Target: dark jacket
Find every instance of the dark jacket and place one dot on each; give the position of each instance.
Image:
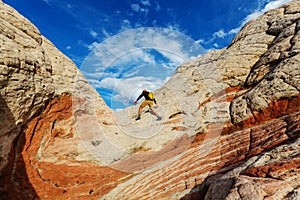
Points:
(145, 94)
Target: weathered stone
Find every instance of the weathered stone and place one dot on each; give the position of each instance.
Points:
(32, 73)
(26, 82)
(230, 127)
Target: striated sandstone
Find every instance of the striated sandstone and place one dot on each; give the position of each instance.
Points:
(50, 159)
(32, 74)
(240, 102)
(230, 126)
(25, 76)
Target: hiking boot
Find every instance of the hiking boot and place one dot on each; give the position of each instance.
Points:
(138, 117)
(159, 118)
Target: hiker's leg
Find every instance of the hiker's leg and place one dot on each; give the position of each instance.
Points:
(140, 110)
(152, 110)
(139, 113)
(158, 117)
(143, 104)
(150, 105)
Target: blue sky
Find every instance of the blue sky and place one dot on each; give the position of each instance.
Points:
(123, 46)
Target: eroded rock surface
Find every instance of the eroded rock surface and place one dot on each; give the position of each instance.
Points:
(38, 140)
(230, 127)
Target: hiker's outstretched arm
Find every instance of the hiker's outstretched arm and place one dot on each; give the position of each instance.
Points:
(139, 97)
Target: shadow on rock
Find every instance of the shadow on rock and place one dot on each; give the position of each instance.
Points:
(14, 182)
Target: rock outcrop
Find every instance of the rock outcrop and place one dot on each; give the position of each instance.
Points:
(230, 127)
(36, 86)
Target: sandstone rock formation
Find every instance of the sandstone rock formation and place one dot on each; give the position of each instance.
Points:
(230, 128)
(36, 83)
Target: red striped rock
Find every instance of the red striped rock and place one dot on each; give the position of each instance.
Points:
(230, 128)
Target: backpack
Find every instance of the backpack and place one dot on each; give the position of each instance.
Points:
(151, 96)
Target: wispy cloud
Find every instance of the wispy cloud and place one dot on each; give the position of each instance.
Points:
(219, 34)
(263, 6)
(157, 6)
(145, 2)
(151, 54)
(93, 33)
(164, 40)
(258, 12)
(126, 91)
(143, 6)
(83, 24)
(47, 2)
(135, 7)
(69, 6)
(125, 25)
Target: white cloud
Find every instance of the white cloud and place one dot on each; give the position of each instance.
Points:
(145, 2)
(275, 4)
(171, 12)
(105, 33)
(138, 57)
(216, 45)
(93, 34)
(91, 46)
(219, 34)
(127, 90)
(117, 12)
(168, 42)
(255, 14)
(154, 23)
(69, 6)
(173, 26)
(216, 35)
(157, 6)
(200, 41)
(258, 12)
(125, 25)
(47, 2)
(135, 7)
(142, 7)
(144, 10)
(235, 30)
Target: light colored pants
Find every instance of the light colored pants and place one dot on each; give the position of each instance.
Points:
(147, 103)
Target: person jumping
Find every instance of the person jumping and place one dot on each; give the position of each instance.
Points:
(149, 99)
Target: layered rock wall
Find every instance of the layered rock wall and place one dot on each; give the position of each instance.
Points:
(242, 105)
(26, 76)
(230, 128)
(34, 75)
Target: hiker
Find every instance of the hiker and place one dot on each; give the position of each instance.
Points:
(149, 99)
